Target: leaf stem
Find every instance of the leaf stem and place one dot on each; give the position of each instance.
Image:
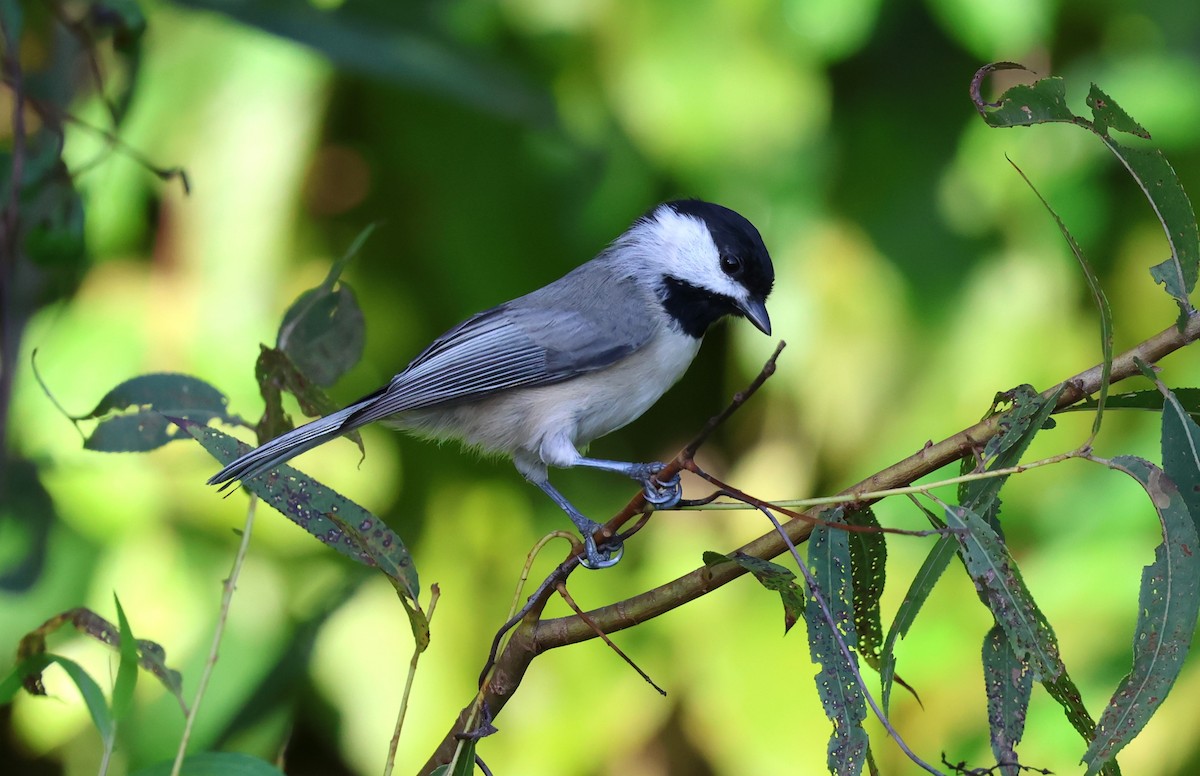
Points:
(218, 633)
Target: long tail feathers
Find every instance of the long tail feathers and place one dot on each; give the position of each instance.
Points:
(287, 446)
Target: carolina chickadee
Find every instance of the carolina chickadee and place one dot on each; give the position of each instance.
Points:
(541, 376)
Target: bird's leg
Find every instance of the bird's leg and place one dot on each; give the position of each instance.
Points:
(594, 557)
(663, 495)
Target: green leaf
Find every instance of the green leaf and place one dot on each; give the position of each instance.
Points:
(1181, 450)
(323, 332)
(152, 657)
(1188, 399)
(93, 697)
(28, 513)
(215, 764)
(770, 575)
(1093, 281)
(1000, 584)
(127, 668)
(1009, 684)
(868, 561)
(132, 414)
(838, 680)
(1167, 611)
(1106, 113)
(405, 50)
(931, 571)
(333, 519)
(276, 373)
(1045, 101)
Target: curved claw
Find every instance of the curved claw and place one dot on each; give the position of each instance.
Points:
(595, 558)
(663, 495)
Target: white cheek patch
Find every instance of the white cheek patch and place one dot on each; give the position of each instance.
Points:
(686, 250)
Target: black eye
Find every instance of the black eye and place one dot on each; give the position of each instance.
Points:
(731, 265)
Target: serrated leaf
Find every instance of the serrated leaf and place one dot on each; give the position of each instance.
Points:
(131, 415)
(1167, 611)
(215, 764)
(1106, 113)
(1008, 683)
(868, 563)
(772, 576)
(1000, 584)
(838, 679)
(331, 518)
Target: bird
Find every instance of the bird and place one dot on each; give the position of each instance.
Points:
(538, 378)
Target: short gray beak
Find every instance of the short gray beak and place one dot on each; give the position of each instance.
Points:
(756, 311)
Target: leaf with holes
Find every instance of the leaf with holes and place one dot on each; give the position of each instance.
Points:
(1167, 611)
(132, 414)
(331, 518)
(1000, 585)
(868, 562)
(1008, 684)
(838, 680)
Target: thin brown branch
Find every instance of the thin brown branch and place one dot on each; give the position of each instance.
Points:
(531, 640)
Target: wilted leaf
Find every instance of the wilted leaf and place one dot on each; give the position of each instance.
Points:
(151, 655)
(772, 576)
(323, 331)
(276, 373)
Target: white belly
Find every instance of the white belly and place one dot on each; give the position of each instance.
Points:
(534, 423)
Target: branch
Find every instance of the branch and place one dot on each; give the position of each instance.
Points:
(534, 637)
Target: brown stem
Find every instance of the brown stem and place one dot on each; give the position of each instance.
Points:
(531, 639)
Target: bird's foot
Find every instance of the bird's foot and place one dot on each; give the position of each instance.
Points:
(601, 557)
(662, 495)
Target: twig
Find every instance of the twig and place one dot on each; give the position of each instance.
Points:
(526, 644)
(218, 633)
(875, 495)
(561, 587)
(434, 593)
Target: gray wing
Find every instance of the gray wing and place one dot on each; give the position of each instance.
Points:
(583, 322)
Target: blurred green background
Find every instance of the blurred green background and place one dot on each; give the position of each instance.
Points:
(500, 144)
